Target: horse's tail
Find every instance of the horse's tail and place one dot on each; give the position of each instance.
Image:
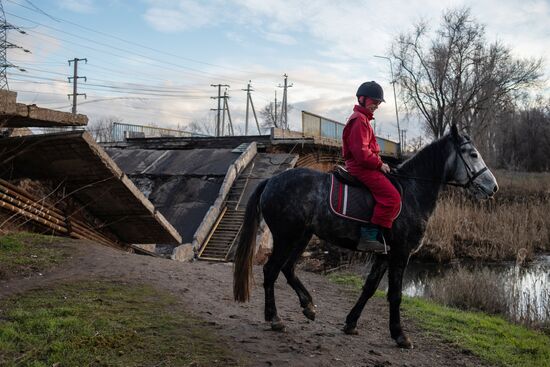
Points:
(244, 256)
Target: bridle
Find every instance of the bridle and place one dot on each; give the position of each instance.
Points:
(470, 172)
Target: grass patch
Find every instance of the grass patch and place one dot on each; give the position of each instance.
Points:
(25, 254)
(98, 323)
(351, 281)
(491, 338)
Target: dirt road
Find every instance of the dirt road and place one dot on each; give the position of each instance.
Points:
(206, 290)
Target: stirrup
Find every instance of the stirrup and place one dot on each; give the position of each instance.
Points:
(374, 246)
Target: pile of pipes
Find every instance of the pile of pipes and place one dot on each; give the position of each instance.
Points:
(25, 205)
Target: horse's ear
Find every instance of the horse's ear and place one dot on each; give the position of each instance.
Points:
(454, 132)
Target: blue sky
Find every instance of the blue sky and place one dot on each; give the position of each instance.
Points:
(152, 61)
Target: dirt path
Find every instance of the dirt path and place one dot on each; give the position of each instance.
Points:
(206, 290)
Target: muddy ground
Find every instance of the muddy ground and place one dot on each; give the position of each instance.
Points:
(206, 290)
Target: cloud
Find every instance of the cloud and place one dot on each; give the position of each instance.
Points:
(236, 37)
(185, 15)
(358, 29)
(281, 38)
(339, 40)
(42, 45)
(78, 6)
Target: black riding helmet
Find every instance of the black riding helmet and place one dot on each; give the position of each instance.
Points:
(371, 89)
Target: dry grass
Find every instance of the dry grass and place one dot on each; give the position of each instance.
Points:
(469, 290)
(514, 226)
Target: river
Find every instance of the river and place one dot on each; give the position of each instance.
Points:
(524, 289)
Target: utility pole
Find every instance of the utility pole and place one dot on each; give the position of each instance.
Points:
(249, 103)
(284, 107)
(222, 125)
(219, 97)
(275, 121)
(393, 81)
(75, 78)
(4, 45)
(226, 108)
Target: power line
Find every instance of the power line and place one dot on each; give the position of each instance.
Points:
(196, 75)
(127, 51)
(129, 86)
(304, 80)
(37, 92)
(164, 95)
(126, 84)
(37, 9)
(40, 63)
(131, 42)
(110, 53)
(118, 89)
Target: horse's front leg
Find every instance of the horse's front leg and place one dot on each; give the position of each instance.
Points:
(395, 285)
(371, 284)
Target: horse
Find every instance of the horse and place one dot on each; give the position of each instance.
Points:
(295, 205)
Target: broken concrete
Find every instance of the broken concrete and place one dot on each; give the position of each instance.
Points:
(21, 115)
(185, 252)
(75, 161)
(181, 184)
(213, 213)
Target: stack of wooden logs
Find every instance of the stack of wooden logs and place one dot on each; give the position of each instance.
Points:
(25, 205)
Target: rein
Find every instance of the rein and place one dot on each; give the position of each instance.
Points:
(472, 175)
(394, 174)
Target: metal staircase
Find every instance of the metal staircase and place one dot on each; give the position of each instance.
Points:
(226, 230)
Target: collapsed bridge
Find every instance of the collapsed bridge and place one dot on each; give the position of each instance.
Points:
(180, 196)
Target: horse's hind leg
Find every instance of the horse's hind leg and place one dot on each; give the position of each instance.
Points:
(371, 284)
(289, 271)
(278, 258)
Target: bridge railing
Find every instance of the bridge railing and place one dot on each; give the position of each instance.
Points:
(315, 125)
(122, 131)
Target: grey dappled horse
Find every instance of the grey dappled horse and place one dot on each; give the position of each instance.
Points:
(295, 205)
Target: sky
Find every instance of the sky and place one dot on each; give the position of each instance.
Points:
(154, 61)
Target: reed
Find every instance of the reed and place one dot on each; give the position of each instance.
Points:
(487, 290)
(513, 226)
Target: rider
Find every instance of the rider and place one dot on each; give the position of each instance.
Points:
(361, 154)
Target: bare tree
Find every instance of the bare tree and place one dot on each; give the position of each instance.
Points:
(522, 137)
(415, 144)
(455, 77)
(270, 117)
(102, 128)
(207, 126)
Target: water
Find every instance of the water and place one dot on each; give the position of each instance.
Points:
(526, 289)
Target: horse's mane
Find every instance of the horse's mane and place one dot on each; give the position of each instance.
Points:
(429, 161)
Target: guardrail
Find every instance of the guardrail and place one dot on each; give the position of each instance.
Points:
(315, 125)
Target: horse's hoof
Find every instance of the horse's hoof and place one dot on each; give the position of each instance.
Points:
(403, 341)
(309, 312)
(277, 325)
(350, 330)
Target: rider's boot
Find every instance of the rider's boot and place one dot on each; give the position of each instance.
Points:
(369, 241)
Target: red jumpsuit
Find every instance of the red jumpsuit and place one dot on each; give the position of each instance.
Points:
(361, 154)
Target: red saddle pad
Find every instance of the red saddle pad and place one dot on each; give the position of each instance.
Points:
(351, 202)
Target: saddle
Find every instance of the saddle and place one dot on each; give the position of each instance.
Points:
(349, 198)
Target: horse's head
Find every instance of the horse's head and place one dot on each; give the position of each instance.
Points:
(467, 168)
